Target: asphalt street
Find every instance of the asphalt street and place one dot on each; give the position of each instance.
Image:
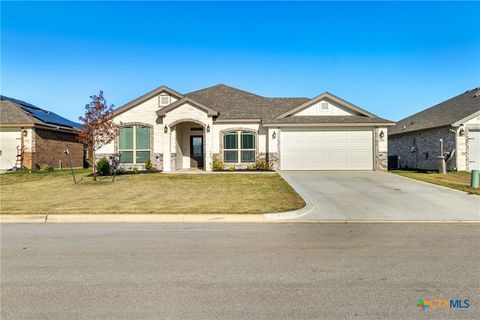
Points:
(237, 271)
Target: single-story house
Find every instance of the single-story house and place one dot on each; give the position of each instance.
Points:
(414, 142)
(180, 131)
(32, 137)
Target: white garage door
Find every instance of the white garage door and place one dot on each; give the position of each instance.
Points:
(314, 149)
(9, 140)
(474, 150)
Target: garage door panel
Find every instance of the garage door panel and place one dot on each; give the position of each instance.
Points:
(9, 140)
(326, 149)
(474, 150)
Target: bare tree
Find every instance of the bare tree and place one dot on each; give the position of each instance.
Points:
(98, 128)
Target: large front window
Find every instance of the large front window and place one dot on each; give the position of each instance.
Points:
(239, 147)
(134, 144)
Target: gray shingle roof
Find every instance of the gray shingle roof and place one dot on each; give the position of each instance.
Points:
(13, 111)
(234, 103)
(443, 114)
(10, 113)
(329, 119)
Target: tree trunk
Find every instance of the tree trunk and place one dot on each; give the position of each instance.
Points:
(94, 166)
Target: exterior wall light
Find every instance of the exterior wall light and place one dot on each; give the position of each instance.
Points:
(274, 135)
(25, 133)
(382, 134)
(461, 133)
(165, 129)
(208, 128)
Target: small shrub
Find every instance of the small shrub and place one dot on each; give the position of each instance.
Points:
(231, 168)
(46, 168)
(135, 170)
(103, 167)
(250, 167)
(263, 165)
(217, 163)
(148, 165)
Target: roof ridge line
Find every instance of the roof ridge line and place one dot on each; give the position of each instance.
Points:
(230, 87)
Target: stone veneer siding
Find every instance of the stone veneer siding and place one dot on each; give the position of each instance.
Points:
(274, 160)
(49, 149)
(380, 154)
(420, 149)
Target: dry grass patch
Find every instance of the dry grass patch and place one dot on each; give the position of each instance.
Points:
(54, 192)
(459, 180)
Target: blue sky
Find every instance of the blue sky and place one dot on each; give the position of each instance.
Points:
(391, 58)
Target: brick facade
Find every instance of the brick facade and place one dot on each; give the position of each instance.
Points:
(49, 149)
(420, 149)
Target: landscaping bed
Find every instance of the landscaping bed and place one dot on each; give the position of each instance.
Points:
(459, 180)
(55, 192)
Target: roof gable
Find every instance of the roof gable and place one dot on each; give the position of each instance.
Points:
(453, 111)
(163, 111)
(146, 97)
(10, 113)
(327, 96)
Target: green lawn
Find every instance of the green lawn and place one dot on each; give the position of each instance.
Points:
(54, 192)
(455, 180)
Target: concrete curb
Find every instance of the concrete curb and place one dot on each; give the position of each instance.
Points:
(386, 221)
(23, 218)
(131, 218)
(294, 214)
(193, 218)
(288, 215)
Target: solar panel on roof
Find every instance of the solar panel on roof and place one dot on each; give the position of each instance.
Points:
(50, 117)
(43, 115)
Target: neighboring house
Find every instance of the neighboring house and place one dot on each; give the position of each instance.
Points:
(33, 137)
(180, 131)
(414, 142)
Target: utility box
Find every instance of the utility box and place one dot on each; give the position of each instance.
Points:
(442, 166)
(475, 179)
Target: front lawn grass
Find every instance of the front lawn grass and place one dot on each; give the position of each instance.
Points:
(54, 192)
(459, 180)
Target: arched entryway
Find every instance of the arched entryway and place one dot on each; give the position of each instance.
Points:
(188, 137)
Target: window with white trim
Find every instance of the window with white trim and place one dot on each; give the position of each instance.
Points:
(134, 144)
(164, 100)
(239, 147)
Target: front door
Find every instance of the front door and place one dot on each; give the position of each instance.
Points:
(196, 151)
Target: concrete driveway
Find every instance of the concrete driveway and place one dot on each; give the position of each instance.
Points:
(357, 196)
